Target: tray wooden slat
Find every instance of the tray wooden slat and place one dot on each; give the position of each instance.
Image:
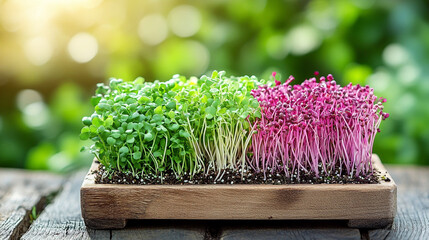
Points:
(364, 205)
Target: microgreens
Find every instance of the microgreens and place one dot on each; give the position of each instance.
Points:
(219, 110)
(183, 125)
(137, 127)
(316, 125)
(217, 122)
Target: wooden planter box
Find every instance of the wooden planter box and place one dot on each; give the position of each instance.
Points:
(109, 206)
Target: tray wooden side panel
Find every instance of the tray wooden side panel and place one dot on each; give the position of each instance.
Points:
(359, 203)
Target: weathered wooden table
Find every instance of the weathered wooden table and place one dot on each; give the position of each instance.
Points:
(56, 201)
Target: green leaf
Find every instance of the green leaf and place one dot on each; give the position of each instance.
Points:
(211, 110)
(139, 80)
(111, 141)
(101, 129)
(184, 134)
(161, 128)
(103, 106)
(97, 122)
(244, 115)
(174, 127)
(171, 114)
(171, 105)
(144, 99)
(148, 137)
(157, 153)
(84, 136)
(87, 121)
(178, 160)
(115, 134)
(109, 121)
(85, 130)
(123, 150)
(135, 115)
(216, 103)
(246, 125)
(131, 126)
(130, 139)
(137, 155)
(95, 101)
(157, 118)
(222, 110)
(214, 90)
(159, 101)
(124, 117)
(93, 129)
(172, 94)
(245, 102)
(254, 104)
(84, 133)
(158, 110)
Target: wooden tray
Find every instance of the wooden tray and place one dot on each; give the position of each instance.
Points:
(109, 206)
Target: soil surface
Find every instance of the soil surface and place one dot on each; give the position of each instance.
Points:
(228, 176)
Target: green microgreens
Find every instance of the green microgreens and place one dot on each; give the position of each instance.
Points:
(183, 125)
(136, 127)
(218, 111)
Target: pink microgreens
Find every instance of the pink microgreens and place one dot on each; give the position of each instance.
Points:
(275, 80)
(316, 126)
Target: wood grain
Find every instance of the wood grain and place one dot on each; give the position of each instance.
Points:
(62, 219)
(324, 201)
(412, 221)
(65, 222)
(20, 191)
(244, 234)
(170, 233)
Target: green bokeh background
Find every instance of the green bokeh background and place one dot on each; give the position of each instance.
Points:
(45, 86)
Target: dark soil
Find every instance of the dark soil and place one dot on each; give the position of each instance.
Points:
(234, 177)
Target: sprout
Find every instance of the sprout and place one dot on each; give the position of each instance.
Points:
(316, 126)
(213, 123)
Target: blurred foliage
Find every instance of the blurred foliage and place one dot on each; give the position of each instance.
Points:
(52, 53)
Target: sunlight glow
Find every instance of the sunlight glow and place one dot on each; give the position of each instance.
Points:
(36, 114)
(408, 74)
(38, 50)
(395, 55)
(153, 29)
(184, 20)
(83, 47)
(302, 40)
(379, 81)
(26, 97)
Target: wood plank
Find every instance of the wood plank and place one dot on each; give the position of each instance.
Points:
(292, 229)
(166, 229)
(153, 232)
(345, 234)
(352, 201)
(20, 191)
(412, 221)
(62, 218)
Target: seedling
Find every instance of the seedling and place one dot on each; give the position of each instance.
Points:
(183, 125)
(194, 126)
(316, 126)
